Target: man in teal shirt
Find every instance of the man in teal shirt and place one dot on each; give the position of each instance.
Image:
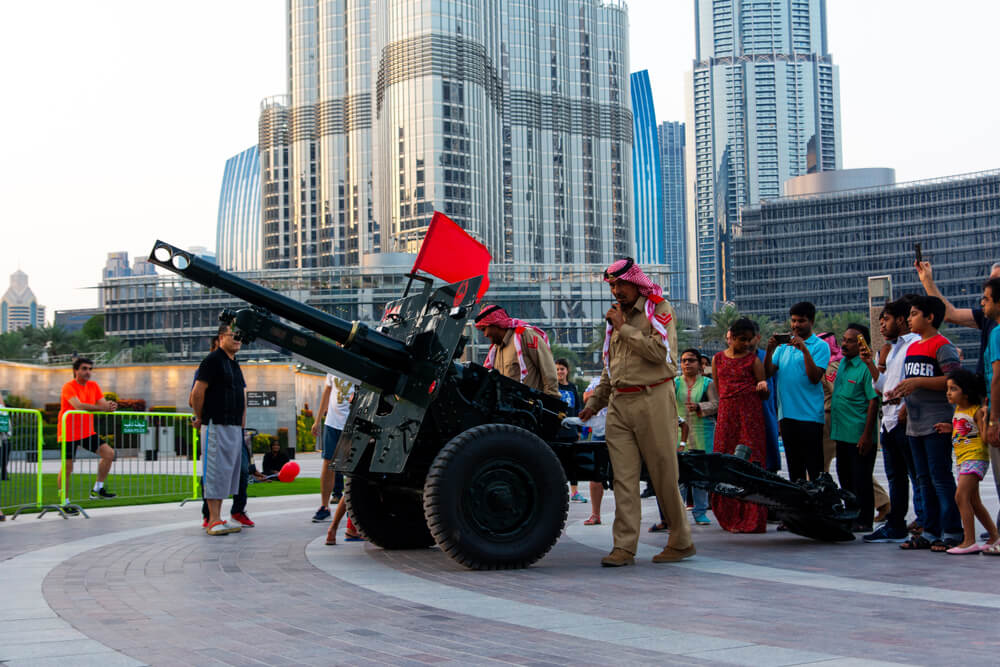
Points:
(853, 416)
(799, 365)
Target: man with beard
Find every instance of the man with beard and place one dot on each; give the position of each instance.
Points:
(518, 350)
(640, 348)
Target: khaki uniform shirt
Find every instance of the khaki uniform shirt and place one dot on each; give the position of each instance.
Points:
(538, 361)
(637, 355)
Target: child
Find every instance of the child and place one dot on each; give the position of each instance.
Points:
(966, 391)
(739, 378)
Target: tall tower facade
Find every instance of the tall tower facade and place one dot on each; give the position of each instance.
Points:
(674, 209)
(766, 106)
(18, 307)
(238, 233)
(512, 117)
(647, 203)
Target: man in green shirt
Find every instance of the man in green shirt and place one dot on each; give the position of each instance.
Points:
(853, 416)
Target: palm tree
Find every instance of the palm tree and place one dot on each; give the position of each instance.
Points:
(723, 319)
(148, 352)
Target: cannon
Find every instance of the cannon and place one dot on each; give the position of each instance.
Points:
(436, 451)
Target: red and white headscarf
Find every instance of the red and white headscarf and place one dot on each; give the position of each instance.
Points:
(498, 316)
(627, 270)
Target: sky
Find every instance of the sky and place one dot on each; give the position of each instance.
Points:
(120, 114)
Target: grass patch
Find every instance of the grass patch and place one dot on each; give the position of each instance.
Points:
(133, 489)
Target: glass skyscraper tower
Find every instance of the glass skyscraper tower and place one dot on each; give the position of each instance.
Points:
(646, 179)
(513, 117)
(766, 107)
(672, 185)
(237, 235)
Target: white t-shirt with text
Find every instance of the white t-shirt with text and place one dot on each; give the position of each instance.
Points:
(341, 392)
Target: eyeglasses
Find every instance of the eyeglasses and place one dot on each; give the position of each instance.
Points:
(690, 361)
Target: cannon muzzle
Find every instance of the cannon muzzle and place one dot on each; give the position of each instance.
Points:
(352, 335)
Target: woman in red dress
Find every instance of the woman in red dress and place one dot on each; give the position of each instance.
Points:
(739, 377)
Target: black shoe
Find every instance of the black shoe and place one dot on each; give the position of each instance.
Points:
(103, 494)
(70, 510)
(335, 498)
(649, 492)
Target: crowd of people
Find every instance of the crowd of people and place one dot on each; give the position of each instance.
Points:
(820, 398)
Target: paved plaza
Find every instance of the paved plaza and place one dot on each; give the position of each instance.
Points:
(145, 585)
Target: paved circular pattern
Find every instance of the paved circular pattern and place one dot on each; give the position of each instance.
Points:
(164, 593)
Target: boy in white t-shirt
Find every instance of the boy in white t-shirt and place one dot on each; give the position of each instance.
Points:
(335, 406)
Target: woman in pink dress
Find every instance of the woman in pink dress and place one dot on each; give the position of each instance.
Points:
(739, 377)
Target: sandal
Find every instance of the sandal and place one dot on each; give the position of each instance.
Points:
(594, 520)
(331, 540)
(659, 527)
(915, 543)
(942, 546)
(353, 537)
(991, 549)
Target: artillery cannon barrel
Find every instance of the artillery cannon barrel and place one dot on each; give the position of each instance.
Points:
(369, 343)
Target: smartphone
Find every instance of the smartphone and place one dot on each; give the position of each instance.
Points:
(916, 251)
(783, 338)
(863, 344)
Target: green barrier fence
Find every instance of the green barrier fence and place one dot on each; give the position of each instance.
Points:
(20, 459)
(139, 454)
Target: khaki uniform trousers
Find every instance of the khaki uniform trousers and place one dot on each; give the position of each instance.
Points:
(644, 424)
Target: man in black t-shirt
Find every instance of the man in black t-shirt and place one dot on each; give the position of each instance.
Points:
(219, 402)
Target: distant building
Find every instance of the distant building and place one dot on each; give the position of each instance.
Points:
(568, 302)
(19, 308)
(511, 117)
(766, 108)
(116, 266)
(674, 209)
(238, 234)
(73, 320)
(822, 244)
(203, 252)
(647, 202)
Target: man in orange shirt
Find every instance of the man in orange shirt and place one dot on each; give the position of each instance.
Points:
(81, 393)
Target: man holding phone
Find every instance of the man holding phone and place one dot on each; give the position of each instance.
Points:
(799, 359)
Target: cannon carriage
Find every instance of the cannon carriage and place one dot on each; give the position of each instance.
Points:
(436, 451)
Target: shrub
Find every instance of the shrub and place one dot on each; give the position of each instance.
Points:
(15, 401)
(305, 440)
(262, 443)
(132, 405)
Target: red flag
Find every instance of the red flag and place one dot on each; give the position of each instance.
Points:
(450, 254)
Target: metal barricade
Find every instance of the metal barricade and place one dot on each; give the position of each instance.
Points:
(20, 459)
(141, 455)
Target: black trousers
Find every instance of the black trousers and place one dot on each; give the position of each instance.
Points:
(854, 470)
(803, 443)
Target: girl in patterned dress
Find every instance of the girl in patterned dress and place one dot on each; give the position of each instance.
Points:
(966, 391)
(739, 377)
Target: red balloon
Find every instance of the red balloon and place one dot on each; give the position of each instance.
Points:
(288, 472)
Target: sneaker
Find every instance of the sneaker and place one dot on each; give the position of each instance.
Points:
(334, 498)
(322, 514)
(70, 510)
(102, 494)
(204, 523)
(885, 534)
(242, 519)
(648, 492)
(578, 498)
(702, 520)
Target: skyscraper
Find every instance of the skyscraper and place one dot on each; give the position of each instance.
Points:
(674, 217)
(237, 235)
(512, 117)
(766, 107)
(18, 307)
(647, 204)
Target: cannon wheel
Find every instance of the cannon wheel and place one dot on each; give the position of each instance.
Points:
(495, 498)
(387, 516)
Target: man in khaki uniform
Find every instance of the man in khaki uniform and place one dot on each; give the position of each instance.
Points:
(640, 351)
(518, 351)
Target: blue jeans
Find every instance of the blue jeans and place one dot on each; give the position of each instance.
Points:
(700, 499)
(898, 460)
(932, 462)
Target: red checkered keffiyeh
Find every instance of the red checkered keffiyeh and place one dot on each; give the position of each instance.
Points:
(627, 270)
(498, 316)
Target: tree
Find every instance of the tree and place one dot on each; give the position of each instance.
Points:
(148, 353)
(12, 346)
(93, 329)
(723, 319)
(837, 323)
(560, 352)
